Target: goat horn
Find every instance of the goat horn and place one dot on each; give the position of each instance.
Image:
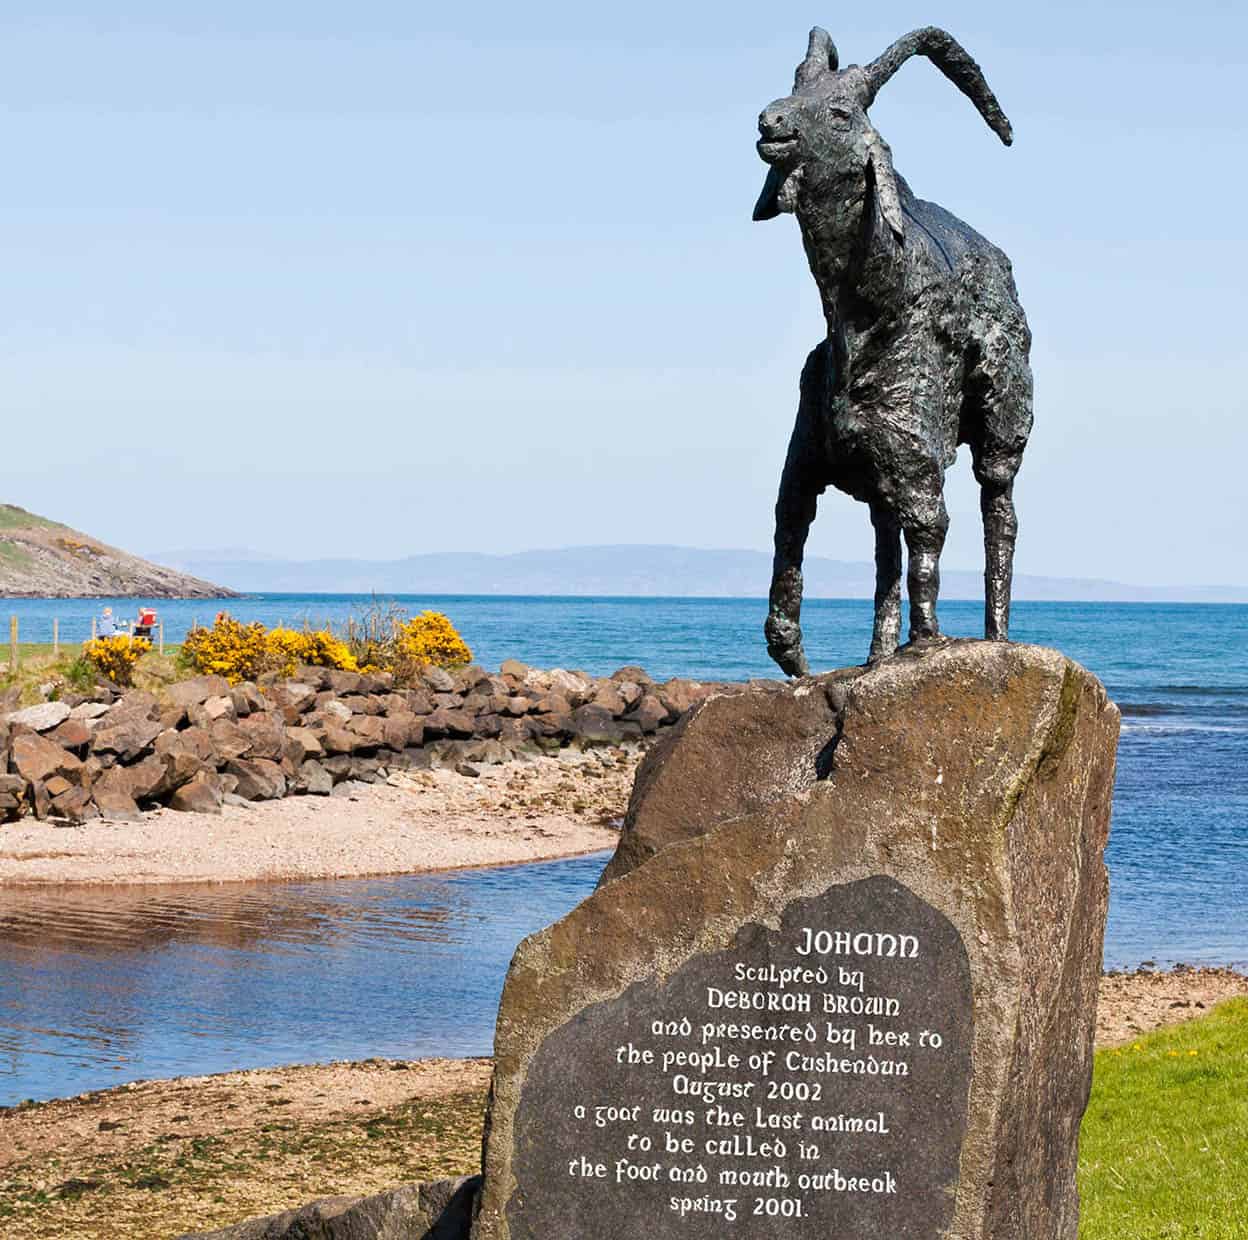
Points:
(951, 58)
(821, 58)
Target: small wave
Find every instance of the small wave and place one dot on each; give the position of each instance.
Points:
(1177, 729)
(1205, 690)
(1144, 708)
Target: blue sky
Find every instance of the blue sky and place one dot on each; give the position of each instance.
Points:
(381, 279)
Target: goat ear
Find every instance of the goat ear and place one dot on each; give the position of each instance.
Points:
(880, 162)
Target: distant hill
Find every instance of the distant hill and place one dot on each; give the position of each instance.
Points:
(41, 559)
(630, 570)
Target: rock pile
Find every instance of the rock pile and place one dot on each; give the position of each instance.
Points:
(203, 741)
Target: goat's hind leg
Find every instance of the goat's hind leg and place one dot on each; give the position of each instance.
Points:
(1000, 422)
(925, 532)
(887, 629)
(996, 503)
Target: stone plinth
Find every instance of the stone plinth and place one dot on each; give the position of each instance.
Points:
(841, 978)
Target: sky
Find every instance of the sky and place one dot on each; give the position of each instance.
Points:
(381, 279)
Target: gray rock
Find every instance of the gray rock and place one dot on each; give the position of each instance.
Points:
(35, 757)
(338, 765)
(929, 832)
(267, 735)
(441, 1210)
(649, 714)
(452, 723)
(74, 805)
(371, 730)
(365, 769)
(302, 744)
(202, 795)
(550, 704)
(437, 679)
(197, 690)
(12, 796)
(632, 673)
(87, 711)
(259, 779)
(594, 725)
(72, 734)
(292, 698)
(402, 729)
(609, 697)
(229, 739)
(113, 802)
(680, 696)
(41, 718)
(341, 683)
(314, 780)
(125, 736)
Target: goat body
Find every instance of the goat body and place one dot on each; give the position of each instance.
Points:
(926, 348)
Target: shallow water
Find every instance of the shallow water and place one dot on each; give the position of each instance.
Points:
(104, 985)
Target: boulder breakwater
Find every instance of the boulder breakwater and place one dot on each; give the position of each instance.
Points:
(198, 744)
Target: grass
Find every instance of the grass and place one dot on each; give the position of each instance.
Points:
(15, 518)
(1164, 1148)
(37, 666)
(13, 556)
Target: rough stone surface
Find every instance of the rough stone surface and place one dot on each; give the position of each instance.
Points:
(128, 738)
(258, 779)
(960, 797)
(72, 734)
(437, 1211)
(35, 757)
(75, 805)
(41, 718)
(202, 795)
(114, 802)
(197, 690)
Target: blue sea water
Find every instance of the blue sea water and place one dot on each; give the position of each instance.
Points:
(99, 987)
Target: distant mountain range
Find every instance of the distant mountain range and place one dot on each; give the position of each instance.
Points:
(626, 570)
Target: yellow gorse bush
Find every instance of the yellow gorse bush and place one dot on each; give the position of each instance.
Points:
(432, 638)
(116, 656)
(240, 651)
(288, 648)
(230, 649)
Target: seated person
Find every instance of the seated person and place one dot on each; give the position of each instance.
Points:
(106, 626)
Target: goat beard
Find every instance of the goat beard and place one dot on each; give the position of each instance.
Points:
(779, 193)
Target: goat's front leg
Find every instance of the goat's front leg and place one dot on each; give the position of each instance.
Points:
(887, 583)
(925, 539)
(996, 503)
(795, 510)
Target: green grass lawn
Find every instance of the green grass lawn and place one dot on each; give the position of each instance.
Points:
(1164, 1148)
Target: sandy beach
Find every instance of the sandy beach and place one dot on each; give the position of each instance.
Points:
(416, 821)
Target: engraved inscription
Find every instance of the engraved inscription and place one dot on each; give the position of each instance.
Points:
(808, 1078)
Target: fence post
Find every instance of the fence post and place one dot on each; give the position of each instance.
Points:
(12, 645)
(160, 630)
(93, 629)
(56, 637)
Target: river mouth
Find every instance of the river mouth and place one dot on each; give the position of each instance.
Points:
(99, 986)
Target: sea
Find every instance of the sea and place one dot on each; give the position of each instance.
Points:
(98, 987)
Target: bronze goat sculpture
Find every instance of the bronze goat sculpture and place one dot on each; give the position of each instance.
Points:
(926, 348)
